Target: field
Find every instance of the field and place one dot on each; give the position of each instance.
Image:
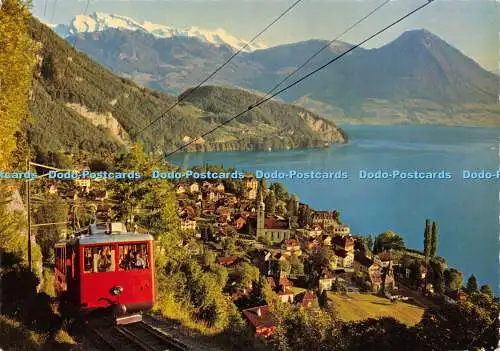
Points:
(358, 306)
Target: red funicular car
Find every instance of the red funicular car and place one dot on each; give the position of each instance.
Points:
(106, 268)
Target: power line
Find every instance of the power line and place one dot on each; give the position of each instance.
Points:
(68, 59)
(45, 8)
(192, 90)
(265, 99)
(53, 11)
(327, 45)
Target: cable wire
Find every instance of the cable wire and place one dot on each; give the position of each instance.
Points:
(327, 45)
(265, 99)
(53, 11)
(192, 90)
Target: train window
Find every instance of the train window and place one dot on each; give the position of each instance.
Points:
(99, 259)
(133, 256)
(59, 259)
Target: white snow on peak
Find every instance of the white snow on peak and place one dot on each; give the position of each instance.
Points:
(98, 22)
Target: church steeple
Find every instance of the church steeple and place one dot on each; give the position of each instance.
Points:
(261, 207)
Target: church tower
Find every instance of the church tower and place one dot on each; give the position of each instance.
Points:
(261, 207)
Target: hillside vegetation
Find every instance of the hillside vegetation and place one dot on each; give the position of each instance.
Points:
(79, 105)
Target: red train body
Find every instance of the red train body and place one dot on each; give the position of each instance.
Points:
(106, 268)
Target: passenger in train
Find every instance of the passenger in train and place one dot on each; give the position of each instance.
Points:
(139, 261)
(88, 260)
(104, 263)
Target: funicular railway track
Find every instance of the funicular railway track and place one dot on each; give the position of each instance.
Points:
(136, 336)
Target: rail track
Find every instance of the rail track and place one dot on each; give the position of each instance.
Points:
(132, 337)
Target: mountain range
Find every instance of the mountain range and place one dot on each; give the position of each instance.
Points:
(416, 78)
(79, 105)
(98, 22)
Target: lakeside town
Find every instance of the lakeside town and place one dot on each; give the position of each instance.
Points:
(134, 262)
(261, 235)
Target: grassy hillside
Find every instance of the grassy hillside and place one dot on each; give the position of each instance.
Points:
(357, 307)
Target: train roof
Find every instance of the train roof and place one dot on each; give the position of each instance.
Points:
(98, 234)
(111, 238)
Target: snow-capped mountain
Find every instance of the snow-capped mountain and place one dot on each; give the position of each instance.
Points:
(98, 22)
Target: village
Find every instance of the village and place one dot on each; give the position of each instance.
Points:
(306, 257)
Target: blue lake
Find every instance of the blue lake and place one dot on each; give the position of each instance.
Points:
(467, 211)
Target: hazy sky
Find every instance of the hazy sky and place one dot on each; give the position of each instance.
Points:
(473, 26)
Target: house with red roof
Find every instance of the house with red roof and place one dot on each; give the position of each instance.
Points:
(261, 319)
(306, 299)
(291, 245)
(227, 261)
(343, 243)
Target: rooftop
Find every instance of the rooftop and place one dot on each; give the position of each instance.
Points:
(259, 316)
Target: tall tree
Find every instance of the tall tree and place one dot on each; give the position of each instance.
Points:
(388, 240)
(453, 278)
(17, 61)
(296, 265)
(471, 284)
(437, 275)
(293, 206)
(434, 239)
(53, 210)
(427, 239)
(280, 191)
(486, 289)
(270, 202)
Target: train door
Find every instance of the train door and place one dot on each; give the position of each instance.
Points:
(60, 269)
(72, 276)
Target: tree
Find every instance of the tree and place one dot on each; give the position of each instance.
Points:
(207, 258)
(283, 265)
(52, 210)
(229, 247)
(434, 239)
(427, 239)
(261, 189)
(301, 329)
(453, 279)
(486, 290)
(471, 284)
(305, 216)
(296, 265)
(280, 191)
(246, 274)
(324, 258)
(378, 335)
(323, 299)
(270, 202)
(388, 240)
(369, 242)
(293, 206)
(461, 326)
(17, 61)
(415, 274)
(220, 273)
(437, 276)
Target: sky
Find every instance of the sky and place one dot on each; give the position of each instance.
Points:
(472, 26)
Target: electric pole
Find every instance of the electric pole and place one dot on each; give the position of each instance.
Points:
(28, 191)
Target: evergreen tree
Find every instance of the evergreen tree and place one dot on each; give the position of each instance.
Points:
(427, 239)
(434, 239)
(471, 284)
(270, 202)
(293, 206)
(486, 289)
